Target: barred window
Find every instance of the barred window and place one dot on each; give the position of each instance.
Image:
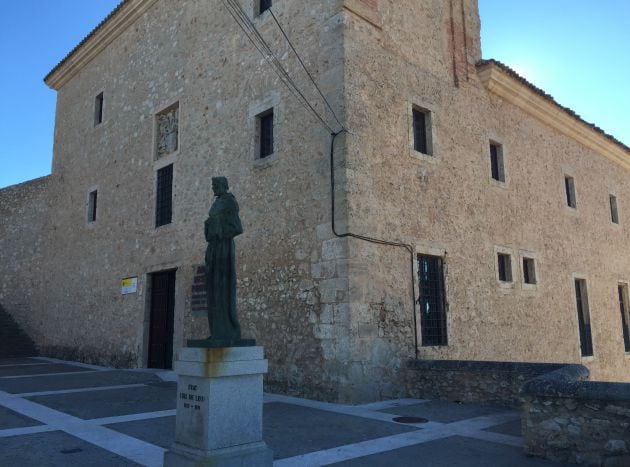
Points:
(625, 316)
(505, 267)
(496, 162)
(422, 131)
(164, 196)
(432, 300)
(265, 134)
(529, 271)
(584, 319)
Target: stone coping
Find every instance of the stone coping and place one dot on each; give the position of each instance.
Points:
(570, 382)
(481, 365)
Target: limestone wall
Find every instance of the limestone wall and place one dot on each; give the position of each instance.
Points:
(25, 222)
(447, 204)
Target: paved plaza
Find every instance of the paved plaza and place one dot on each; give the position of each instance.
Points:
(56, 413)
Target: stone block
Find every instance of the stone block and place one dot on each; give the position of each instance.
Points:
(323, 270)
(336, 248)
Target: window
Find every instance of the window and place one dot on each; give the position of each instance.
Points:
(264, 5)
(529, 271)
(265, 134)
(432, 300)
(504, 267)
(614, 214)
(625, 316)
(569, 185)
(496, 162)
(421, 131)
(164, 196)
(92, 206)
(98, 109)
(584, 320)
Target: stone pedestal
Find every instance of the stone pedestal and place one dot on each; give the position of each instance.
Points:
(219, 408)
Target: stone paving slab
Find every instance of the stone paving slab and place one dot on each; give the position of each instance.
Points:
(87, 418)
(76, 381)
(444, 412)
(42, 368)
(55, 449)
(11, 419)
(455, 451)
(115, 402)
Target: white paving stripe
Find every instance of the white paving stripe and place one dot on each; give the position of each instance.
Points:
(27, 430)
(391, 404)
(71, 391)
(126, 446)
(50, 374)
(132, 417)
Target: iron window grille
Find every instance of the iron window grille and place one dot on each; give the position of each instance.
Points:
(92, 206)
(625, 318)
(432, 300)
(584, 320)
(569, 186)
(496, 162)
(164, 196)
(505, 267)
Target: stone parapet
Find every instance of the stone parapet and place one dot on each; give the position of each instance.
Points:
(472, 381)
(569, 419)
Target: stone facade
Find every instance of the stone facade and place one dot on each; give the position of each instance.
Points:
(182, 85)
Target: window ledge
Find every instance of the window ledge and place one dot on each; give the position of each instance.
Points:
(498, 184)
(423, 157)
(266, 161)
(588, 359)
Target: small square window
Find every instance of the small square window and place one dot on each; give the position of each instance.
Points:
(98, 109)
(569, 185)
(505, 267)
(496, 162)
(529, 271)
(92, 206)
(263, 5)
(614, 213)
(422, 131)
(264, 123)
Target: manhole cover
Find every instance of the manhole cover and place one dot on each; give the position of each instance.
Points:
(410, 420)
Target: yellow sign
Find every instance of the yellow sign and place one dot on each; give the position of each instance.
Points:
(129, 285)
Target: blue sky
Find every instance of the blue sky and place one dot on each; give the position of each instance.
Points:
(576, 50)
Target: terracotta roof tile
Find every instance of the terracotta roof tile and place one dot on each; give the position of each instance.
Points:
(549, 98)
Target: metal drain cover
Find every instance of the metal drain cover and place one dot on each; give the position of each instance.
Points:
(410, 420)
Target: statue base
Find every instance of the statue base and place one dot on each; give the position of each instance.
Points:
(211, 343)
(219, 408)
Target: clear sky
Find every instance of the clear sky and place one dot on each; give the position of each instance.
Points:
(576, 50)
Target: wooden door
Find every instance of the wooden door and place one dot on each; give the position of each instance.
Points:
(162, 319)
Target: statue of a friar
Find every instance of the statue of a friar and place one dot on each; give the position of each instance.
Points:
(222, 225)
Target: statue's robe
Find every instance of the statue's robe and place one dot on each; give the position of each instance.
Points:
(222, 225)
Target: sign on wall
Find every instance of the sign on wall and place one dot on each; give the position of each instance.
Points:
(129, 285)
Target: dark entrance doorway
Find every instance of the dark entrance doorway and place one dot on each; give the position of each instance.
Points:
(162, 319)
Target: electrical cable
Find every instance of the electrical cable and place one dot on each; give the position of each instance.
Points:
(306, 69)
(377, 241)
(245, 23)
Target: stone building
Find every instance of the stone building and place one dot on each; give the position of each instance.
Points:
(503, 211)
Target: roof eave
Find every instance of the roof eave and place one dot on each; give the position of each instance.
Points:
(507, 84)
(124, 15)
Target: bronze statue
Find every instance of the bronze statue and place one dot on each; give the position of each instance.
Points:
(222, 225)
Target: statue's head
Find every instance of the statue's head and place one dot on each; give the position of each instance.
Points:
(219, 185)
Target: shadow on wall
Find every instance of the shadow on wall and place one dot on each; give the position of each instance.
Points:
(14, 342)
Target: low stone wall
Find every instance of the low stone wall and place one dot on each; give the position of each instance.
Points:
(497, 383)
(569, 419)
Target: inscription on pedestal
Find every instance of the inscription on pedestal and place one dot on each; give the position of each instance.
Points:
(190, 399)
